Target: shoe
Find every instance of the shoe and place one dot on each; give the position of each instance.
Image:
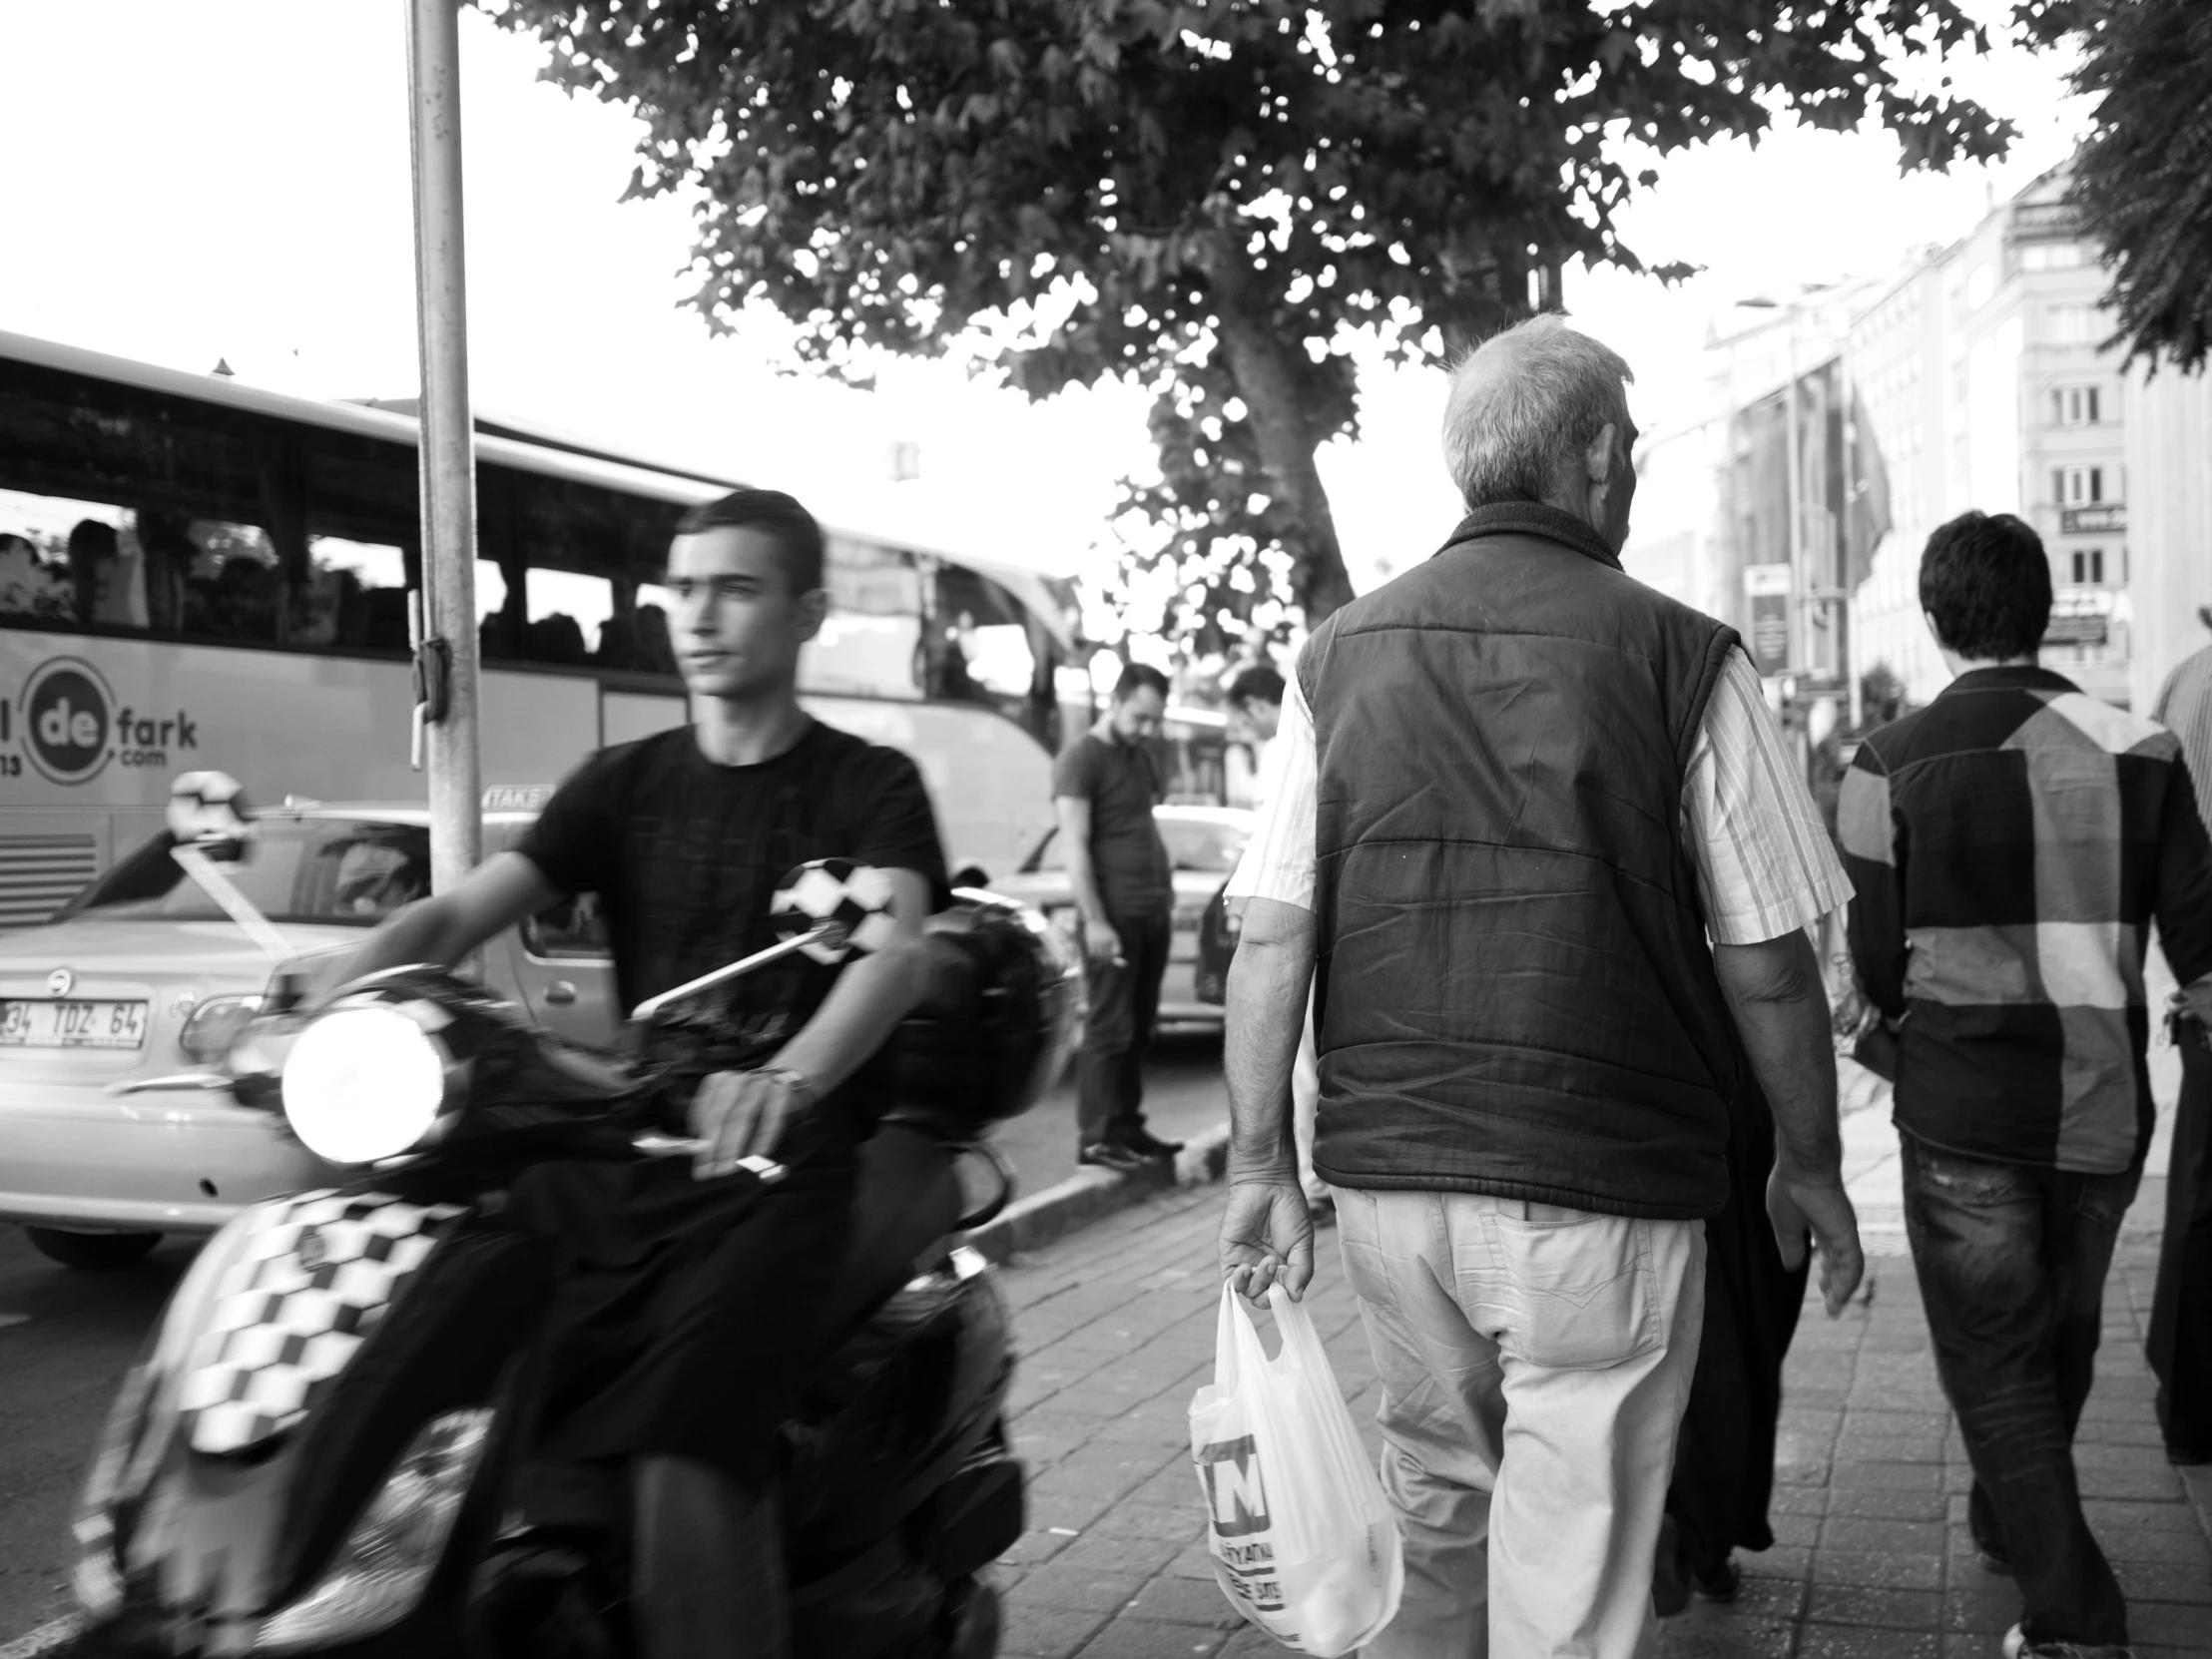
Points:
(2185, 1458)
(1145, 1144)
(1991, 1561)
(1719, 1584)
(1107, 1155)
(2017, 1646)
(1669, 1594)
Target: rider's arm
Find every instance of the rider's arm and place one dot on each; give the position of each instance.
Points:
(872, 995)
(496, 895)
(738, 1113)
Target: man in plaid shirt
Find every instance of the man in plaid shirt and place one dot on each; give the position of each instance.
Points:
(2011, 845)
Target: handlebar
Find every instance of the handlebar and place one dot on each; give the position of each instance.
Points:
(655, 1145)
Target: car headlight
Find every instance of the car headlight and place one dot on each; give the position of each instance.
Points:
(362, 1084)
(214, 1027)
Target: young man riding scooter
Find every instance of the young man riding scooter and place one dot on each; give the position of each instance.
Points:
(690, 1303)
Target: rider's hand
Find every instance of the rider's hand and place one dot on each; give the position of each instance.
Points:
(1267, 1234)
(1100, 943)
(741, 1114)
(1796, 1202)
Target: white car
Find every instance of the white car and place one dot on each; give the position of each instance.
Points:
(1204, 844)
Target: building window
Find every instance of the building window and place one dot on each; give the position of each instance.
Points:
(2073, 324)
(2088, 567)
(2077, 406)
(2050, 255)
(2074, 486)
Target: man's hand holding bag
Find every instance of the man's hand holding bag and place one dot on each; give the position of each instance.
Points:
(1303, 1539)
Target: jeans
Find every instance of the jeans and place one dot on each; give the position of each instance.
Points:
(1117, 1030)
(1534, 1363)
(2011, 1263)
(2180, 1339)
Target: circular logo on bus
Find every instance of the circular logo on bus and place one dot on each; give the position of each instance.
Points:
(68, 717)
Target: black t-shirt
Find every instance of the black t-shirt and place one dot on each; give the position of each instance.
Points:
(686, 855)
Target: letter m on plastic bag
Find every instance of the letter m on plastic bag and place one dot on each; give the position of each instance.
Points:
(1303, 1539)
(1235, 1493)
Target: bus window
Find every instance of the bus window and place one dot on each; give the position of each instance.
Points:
(568, 614)
(870, 640)
(983, 646)
(357, 594)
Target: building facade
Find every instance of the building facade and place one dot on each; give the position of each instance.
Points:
(1986, 385)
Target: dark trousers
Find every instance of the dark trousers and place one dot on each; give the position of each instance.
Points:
(2180, 1344)
(2011, 1263)
(1117, 1030)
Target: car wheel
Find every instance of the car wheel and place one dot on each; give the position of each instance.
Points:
(93, 1249)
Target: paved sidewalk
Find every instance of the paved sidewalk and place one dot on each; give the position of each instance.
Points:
(1115, 1331)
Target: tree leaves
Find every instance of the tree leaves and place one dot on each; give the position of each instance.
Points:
(2143, 182)
(1211, 196)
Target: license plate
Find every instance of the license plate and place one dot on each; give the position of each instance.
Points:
(43, 1024)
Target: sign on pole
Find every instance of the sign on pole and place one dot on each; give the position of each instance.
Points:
(1767, 589)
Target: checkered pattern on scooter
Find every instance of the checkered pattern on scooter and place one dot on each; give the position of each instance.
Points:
(316, 1274)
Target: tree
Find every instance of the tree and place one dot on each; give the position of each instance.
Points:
(1211, 199)
(2143, 181)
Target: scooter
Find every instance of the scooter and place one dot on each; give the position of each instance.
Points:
(315, 1451)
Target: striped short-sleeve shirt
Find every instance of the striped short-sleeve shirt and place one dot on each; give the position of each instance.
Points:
(2011, 845)
(1765, 865)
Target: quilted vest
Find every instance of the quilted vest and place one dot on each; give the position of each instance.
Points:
(1515, 993)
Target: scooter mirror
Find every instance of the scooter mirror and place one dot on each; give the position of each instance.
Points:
(837, 907)
(207, 812)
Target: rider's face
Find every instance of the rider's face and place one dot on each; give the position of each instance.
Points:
(736, 624)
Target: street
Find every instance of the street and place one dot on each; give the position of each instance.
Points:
(65, 1335)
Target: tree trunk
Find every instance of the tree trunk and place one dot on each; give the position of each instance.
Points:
(1267, 381)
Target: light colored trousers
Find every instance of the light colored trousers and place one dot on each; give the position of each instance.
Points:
(1534, 1361)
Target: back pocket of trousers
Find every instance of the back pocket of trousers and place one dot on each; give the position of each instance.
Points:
(1581, 1293)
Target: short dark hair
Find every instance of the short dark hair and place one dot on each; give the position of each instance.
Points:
(1139, 677)
(777, 514)
(1986, 581)
(1258, 684)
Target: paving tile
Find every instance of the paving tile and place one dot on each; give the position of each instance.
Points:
(1130, 1638)
(1185, 1601)
(2171, 1625)
(1881, 1503)
(1884, 1536)
(1108, 1555)
(2163, 1581)
(1725, 1634)
(1076, 1589)
(1831, 1641)
(1863, 1606)
(2110, 1515)
(1032, 1548)
(1781, 1561)
(1894, 1477)
(1994, 1609)
(1031, 1632)
(2152, 1484)
(1876, 1569)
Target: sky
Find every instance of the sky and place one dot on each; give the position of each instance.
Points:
(195, 179)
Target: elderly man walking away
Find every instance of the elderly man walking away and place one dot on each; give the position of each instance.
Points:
(2180, 1339)
(2011, 845)
(1522, 792)
(1104, 787)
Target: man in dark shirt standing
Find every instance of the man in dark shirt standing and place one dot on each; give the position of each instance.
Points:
(2011, 845)
(688, 1306)
(1104, 789)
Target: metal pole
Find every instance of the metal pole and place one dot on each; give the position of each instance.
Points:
(448, 461)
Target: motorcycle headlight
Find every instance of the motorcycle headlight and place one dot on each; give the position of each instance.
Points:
(362, 1084)
(380, 1572)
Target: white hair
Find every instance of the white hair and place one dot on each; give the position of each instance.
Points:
(1523, 405)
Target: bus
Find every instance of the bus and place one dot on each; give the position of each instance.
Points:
(197, 574)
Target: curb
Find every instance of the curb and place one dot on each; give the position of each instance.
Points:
(48, 1638)
(1034, 1222)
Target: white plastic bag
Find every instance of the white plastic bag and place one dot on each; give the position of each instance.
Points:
(1303, 1539)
